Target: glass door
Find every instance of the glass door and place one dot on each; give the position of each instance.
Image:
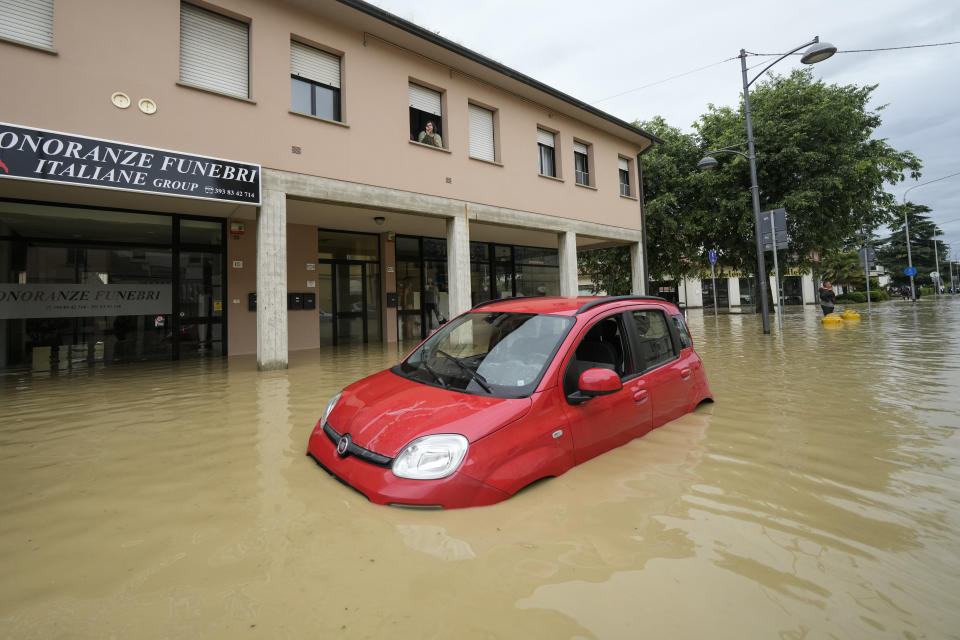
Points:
(350, 321)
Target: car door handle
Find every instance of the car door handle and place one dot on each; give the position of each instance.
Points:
(685, 373)
(640, 395)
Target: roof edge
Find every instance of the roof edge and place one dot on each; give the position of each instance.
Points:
(429, 36)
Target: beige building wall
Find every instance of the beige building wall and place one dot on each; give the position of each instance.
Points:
(334, 175)
(133, 46)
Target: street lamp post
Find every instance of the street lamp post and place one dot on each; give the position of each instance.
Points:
(906, 229)
(818, 52)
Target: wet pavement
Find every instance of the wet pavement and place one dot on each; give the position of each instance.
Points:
(818, 497)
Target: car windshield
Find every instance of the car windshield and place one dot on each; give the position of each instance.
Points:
(495, 354)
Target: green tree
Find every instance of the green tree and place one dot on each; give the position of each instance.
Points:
(609, 270)
(892, 252)
(816, 157)
(842, 267)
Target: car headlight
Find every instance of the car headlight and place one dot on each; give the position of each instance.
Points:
(431, 457)
(330, 406)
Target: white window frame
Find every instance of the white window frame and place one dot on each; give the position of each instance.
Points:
(28, 22)
(584, 179)
(483, 132)
(547, 138)
(315, 66)
(624, 164)
(214, 51)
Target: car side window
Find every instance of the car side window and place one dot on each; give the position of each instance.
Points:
(603, 346)
(654, 344)
(681, 328)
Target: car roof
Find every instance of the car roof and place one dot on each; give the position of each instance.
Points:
(562, 305)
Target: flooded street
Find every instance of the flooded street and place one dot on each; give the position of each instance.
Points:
(818, 497)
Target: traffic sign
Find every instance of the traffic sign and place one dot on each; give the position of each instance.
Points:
(910, 271)
(713, 256)
(780, 225)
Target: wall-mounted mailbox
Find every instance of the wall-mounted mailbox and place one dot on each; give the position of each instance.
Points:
(252, 301)
(294, 301)
(392, 299)
(309, 301)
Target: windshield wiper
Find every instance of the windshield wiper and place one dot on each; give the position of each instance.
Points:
(435, 375)
(473, 374)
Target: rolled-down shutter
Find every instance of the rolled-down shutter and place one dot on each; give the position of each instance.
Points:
(545, 138)
(481, 133)
(214, 51)
(425, 99)
(579, 147)
(29, 21)
(313, 64)
(624, 165)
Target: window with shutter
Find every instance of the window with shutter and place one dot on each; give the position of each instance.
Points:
(314, 81)
(27, 21)
(624, 166)
(214, 51)
(482, 144)
(426, 116)
(581, 163)
(546, 145)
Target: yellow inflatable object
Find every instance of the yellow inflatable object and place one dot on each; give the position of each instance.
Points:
(850, 314)
(832, 320)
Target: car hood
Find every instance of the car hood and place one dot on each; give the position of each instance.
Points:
(385, 411)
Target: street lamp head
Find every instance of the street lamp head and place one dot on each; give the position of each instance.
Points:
(707, 163)
(818, 52)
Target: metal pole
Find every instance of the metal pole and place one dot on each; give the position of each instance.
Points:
(936, 257)
(713, 283)
(906, 227)
(866, 264)
(866, 269)
(755, 191)
(778, 308)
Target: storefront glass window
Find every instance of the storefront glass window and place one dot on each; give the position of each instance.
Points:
(88, 287)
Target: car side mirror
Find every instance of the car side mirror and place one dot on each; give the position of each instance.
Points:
(595, 382)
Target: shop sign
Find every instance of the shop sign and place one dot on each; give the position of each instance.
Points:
(51, 156)
(77, 300)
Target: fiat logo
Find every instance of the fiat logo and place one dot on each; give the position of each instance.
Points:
(343, 445)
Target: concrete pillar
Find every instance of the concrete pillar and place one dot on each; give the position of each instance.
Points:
(733, 291)
(806, 283)
(693, 289)
(458, 264)
(567, 250)
(272, 281)
(638, 279)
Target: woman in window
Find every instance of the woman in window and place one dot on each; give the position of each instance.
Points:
(429, 137)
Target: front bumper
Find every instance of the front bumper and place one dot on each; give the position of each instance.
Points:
(380, 486)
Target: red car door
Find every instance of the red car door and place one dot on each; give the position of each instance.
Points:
(604, 422)
(663, 370)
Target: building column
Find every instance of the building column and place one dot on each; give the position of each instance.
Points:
(733, 291)
(458, 264)
(272, 281)
(808, 291)
(567, 256)
(638, 279)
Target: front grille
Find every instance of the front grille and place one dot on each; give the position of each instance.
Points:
(356, 450)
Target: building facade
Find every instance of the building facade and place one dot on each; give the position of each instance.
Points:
(194, 179)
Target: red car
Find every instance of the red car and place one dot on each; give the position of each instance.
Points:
(508, 393)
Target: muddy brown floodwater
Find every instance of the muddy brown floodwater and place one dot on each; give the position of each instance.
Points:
(819, 497)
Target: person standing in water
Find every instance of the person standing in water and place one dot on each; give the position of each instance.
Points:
(828, 298)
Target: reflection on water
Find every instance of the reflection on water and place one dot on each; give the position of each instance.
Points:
(817, 498)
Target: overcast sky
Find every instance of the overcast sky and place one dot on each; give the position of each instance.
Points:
(596, 50)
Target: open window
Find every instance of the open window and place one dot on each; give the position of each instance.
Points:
(426, 116)
(604, 346)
